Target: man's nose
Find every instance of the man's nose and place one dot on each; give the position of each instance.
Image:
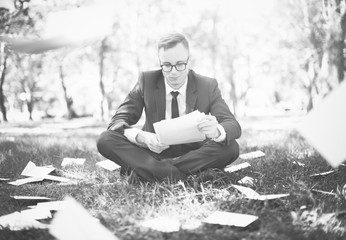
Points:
(174, 70)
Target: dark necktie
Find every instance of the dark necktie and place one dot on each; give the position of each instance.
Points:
(176, 149)
(175, 109)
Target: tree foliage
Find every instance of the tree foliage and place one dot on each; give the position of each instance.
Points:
(263, 53)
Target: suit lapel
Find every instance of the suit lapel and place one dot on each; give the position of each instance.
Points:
(160, 98)
(191, 94)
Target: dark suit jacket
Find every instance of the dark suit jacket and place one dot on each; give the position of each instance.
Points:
(149, 93)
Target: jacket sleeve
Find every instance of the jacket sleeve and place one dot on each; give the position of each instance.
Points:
(130, 111)
(223, 114)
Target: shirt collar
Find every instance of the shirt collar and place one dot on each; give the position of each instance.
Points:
(181, 90)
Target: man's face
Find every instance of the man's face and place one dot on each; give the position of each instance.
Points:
(177, 55)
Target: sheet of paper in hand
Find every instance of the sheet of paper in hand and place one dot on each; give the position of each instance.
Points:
(180, 130)
(325, 127)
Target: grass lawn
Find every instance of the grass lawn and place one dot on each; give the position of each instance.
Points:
(122, 208)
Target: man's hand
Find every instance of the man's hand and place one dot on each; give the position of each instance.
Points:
(150, 141)
(208, 126)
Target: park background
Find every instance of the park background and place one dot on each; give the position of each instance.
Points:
(269, 57)
(65, 66)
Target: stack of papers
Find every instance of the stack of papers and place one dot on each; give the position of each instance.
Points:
(180, 130)
(251, 194)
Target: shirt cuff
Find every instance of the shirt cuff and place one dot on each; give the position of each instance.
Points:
(131, 134)
(222, 136)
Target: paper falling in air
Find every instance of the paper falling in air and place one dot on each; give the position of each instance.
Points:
(180, 130)
(252, 194)
(251, 155)
(72, 162)
(230, 219)
(238, 167)
(75, 222)
(17, 221)
(325, 126)
(108, 165)
(163, 224)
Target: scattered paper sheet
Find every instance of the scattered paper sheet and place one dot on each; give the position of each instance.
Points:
(180, 130)
(324, 192)
(230, 219)
(17, 221)
(330, 140)
(37, 174)
(51, 206)
(36, 213)
(10, 139)
(299, 163)
(26, 180)
(322, 173)
(56, 178)
(4, 179)
(35, 198)
(238, 167)
(31, 170)
(249, 181)
(163, 224)
(74, 222)
(252, 194)
(72, 162)
(252, 155)
(108, 165)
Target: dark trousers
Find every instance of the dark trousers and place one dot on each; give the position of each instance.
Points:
(151, 166)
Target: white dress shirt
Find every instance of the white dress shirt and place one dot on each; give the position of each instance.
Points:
(131, 133)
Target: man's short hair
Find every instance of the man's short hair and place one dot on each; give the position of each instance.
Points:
(171, 40)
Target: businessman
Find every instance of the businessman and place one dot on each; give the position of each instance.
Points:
(170, 92)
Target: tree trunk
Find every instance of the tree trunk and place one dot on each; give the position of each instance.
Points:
(2, 81)
(30, 105)
(104, 100)
(340, 50)
(69, 101)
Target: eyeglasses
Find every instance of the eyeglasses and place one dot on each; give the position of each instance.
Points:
(179, 66)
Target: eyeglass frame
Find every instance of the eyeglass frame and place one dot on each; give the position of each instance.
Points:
(175, 66)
